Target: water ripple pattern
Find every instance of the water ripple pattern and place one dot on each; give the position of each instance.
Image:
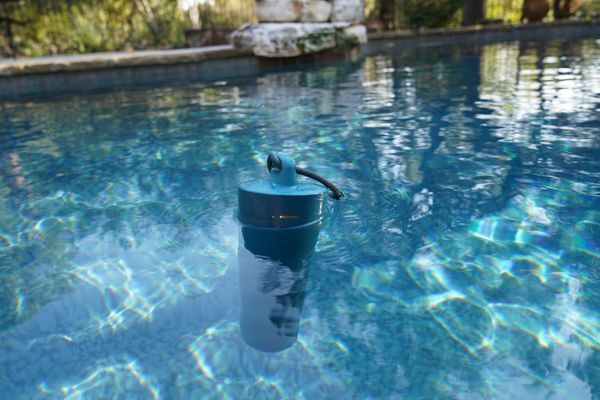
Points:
(463, 264)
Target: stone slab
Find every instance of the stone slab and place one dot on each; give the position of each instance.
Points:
(293, 10)
(316, 11)
(348, 11)
(355, 34)
(278, 10)
(293, 39)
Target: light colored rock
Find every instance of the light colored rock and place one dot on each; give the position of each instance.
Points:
(348, 11)
(315, 11)
(278, 10)
(292, 39)
(355, 34)
(340, 25)
(317, 37)
(277, 40)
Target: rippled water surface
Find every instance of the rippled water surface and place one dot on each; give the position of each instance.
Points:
(464, 262)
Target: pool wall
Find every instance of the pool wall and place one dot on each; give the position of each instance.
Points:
(109, 71)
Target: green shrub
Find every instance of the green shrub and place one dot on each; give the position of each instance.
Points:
(589, 10)
(430, 13)
(59, 27)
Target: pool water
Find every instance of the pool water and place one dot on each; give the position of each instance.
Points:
(464, 262)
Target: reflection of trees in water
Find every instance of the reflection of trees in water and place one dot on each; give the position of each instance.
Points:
(425, 140)
(19, 246)
(475, 160)
(115, 164)
(424, 144)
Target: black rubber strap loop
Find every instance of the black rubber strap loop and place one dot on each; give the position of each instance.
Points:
(274, 162)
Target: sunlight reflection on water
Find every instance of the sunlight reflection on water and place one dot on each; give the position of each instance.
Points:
(462, 264)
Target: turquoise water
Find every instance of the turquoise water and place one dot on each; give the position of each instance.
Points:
(463, 263)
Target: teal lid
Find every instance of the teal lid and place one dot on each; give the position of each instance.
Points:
(283, 181)
(281, 201)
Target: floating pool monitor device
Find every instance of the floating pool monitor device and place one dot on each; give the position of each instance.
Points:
(280, 220)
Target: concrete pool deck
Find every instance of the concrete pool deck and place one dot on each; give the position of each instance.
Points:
(95, 71)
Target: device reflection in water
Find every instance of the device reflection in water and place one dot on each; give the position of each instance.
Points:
(273, 268)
